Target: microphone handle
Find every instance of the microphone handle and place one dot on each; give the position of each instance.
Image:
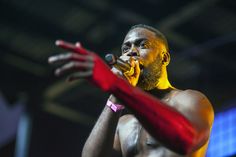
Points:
(117, 62)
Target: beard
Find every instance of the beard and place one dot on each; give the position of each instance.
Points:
(149, 77)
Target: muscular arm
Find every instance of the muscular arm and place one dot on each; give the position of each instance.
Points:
(181, 129)
(174, 129)
(101, 139)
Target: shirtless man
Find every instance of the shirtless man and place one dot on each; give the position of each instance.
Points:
(164, 121)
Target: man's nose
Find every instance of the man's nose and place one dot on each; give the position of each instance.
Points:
(133, 52)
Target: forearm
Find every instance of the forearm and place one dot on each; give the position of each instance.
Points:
(100, 140)
(164, 123)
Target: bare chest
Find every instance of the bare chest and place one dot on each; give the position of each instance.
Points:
(136, 142)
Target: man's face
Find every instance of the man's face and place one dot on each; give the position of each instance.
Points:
(143, 45)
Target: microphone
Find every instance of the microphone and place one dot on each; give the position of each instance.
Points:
(117, 62)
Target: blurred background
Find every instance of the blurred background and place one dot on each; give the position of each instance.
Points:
(41, 115)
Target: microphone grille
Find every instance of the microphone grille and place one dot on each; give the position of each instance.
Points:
(110, 59)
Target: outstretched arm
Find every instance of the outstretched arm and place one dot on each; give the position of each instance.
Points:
(175, 130)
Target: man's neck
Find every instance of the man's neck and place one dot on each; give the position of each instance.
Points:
(160, 93)
(163, 82)
(163, 87)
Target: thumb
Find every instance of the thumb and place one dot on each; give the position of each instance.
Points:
(137, 67)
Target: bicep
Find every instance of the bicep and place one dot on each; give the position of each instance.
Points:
(198, 110)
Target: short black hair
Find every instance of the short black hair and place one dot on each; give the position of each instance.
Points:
(154, 30)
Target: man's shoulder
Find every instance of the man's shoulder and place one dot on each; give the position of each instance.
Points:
(190, 94)
(192, 99)
(196, 106)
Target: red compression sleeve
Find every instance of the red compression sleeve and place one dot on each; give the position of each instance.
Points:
(164, 123)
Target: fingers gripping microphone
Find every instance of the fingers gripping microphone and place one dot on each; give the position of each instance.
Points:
(117, 62)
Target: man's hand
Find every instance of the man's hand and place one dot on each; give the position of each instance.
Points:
(81, 63)
(133, 75)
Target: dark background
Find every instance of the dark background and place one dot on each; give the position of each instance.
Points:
(201, 35)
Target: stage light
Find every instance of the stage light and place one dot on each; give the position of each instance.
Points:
(223, 136)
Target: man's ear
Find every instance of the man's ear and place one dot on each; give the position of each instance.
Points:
(165, 58)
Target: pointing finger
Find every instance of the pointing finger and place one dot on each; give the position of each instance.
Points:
(71, 47)
(67, 57)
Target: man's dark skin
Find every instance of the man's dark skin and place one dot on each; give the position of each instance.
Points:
(126, 136)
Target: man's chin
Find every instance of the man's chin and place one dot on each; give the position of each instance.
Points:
(146, 86)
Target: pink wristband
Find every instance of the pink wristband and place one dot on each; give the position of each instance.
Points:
(114, 107)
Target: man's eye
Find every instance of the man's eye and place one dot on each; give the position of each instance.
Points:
(125, 49)
(143, 45)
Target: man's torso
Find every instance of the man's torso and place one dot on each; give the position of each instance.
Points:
(135, 141)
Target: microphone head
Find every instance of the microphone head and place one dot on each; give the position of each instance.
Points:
(110, 59)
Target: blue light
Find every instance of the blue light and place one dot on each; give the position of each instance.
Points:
(223, 135)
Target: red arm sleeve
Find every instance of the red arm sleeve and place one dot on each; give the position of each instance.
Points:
(163, 122)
